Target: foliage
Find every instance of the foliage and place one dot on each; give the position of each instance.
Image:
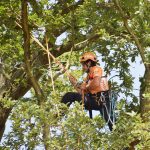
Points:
(68, 26)
(74, 130)
(7, 102)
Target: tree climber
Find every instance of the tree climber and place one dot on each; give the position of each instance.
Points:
(95, 88)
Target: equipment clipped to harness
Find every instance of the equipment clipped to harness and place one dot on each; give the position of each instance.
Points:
(113, 98)
(112, 105)
(108, 108)
(106, 102)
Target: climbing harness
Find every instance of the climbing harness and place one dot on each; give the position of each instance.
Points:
(99, 97)
(106, 102)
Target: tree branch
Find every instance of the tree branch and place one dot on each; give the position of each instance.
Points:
(38, 90)
(66, 9)
(27, 52)
(131, 32)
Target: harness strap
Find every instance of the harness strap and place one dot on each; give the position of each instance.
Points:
(90, 113)
(89, 108)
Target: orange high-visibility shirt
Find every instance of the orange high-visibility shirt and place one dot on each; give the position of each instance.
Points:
(102, 84)
(95, 72)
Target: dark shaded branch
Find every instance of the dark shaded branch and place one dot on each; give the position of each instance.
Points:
(72, 7)
(42, 59)
(65, 9)
(4, 114)
(78, 46)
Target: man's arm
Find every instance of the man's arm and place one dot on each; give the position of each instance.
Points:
(93, 84)
(74, 82)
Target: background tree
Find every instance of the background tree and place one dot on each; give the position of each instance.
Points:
(116, 29)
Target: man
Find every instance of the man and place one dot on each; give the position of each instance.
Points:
(95, 89)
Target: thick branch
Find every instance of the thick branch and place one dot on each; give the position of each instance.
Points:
(27, 52)
(78, 46)
(35, 84)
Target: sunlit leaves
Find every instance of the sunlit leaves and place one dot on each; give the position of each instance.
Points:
(115, 47)
(7, 102)
(75, 129)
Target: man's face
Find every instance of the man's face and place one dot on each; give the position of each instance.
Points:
(84, 66)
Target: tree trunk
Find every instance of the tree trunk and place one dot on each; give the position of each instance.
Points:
(145, 95)
(4, 113)
(46, 135)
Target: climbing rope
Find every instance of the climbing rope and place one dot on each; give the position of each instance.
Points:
(49, 64)
(111, 112)
(113, 98)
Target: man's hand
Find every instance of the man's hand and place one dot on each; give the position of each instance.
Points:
(72, 79)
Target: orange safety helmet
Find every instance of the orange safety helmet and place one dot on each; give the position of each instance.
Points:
(88, 56)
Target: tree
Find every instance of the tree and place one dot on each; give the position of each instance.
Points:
(118, 30)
